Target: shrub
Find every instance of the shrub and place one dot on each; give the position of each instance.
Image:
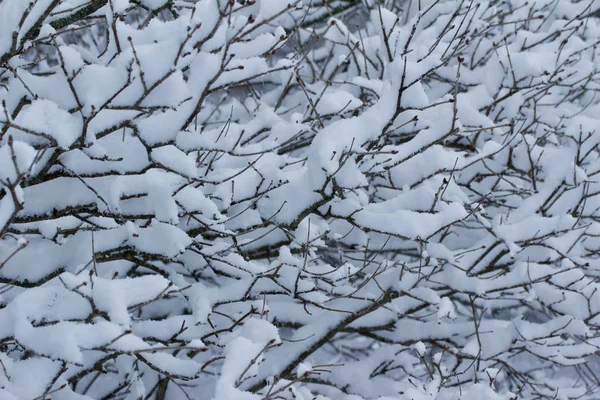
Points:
(276, 200)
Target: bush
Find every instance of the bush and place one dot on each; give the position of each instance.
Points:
(343, 199)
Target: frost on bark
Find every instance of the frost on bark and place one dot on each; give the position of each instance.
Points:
(299, 200)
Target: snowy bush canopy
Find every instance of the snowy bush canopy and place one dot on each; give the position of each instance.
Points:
(277, 199)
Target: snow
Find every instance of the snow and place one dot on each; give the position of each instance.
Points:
(421, 349)
(45, 116)
(446, 309)
(154, 4)
(173, 158)
(24, 157)
(11, 20)
(115, 296)
(304, 369)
